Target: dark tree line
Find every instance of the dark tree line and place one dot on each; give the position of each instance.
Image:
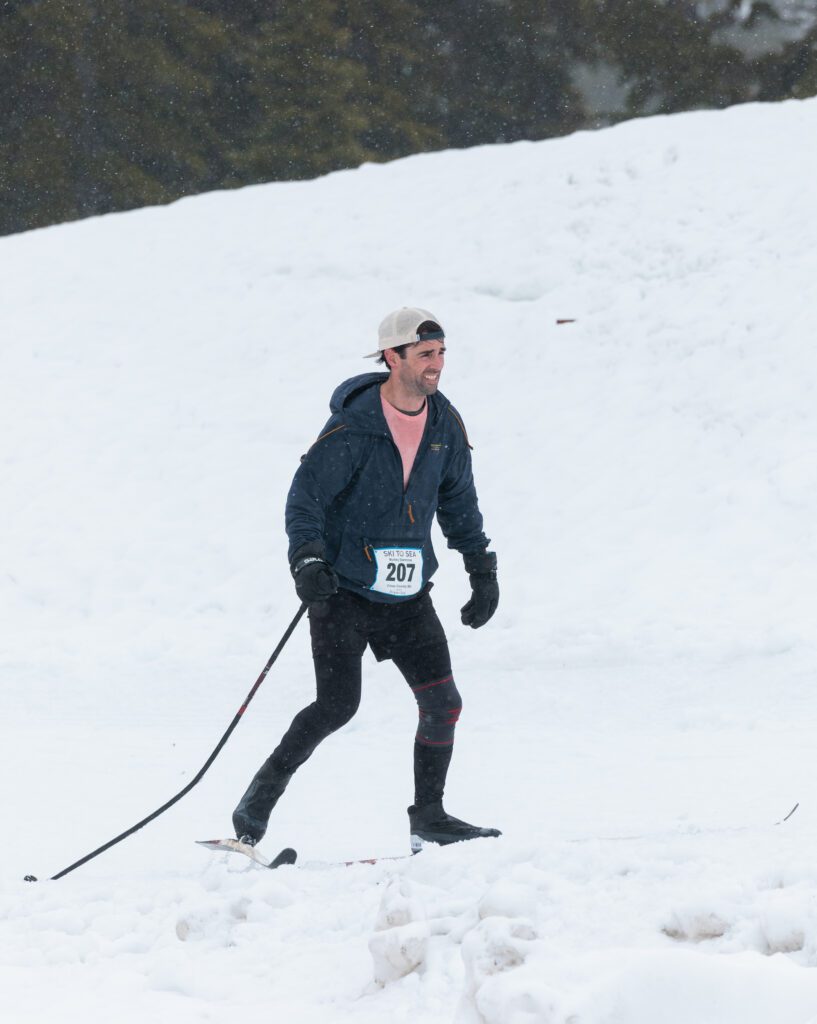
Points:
(113, 104)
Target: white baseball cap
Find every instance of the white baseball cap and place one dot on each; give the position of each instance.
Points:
(402, 327)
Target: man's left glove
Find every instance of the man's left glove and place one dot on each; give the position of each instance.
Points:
(481, 569)
(315, 579)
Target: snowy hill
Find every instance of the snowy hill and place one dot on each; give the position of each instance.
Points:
(637, 715)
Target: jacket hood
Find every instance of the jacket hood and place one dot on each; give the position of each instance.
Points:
(357, 402)
(346, 392)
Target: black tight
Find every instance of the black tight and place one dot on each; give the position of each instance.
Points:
(411, 635)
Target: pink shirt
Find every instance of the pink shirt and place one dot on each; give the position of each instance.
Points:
(407, 432)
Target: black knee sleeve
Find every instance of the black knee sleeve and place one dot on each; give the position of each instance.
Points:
(439, 704)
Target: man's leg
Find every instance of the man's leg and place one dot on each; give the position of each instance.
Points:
(427, 670)
(423, 658)
(337, 650)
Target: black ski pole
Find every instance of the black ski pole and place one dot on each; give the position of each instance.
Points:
(198, 777)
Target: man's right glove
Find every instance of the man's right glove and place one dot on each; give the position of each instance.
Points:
(481, 569)
(315, 579)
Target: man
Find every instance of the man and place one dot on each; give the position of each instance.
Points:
(393, 454)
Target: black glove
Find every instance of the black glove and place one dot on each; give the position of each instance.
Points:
(481, 568)
(315, 579)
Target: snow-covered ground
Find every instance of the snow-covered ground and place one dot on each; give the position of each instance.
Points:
(638, 715)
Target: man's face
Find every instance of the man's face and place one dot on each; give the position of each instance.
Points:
(419, 373)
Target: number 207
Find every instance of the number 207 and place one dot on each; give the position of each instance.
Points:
(400, 572)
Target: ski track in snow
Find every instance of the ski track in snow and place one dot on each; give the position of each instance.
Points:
(637, 715)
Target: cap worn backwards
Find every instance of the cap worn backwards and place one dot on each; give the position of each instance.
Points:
(403, 327)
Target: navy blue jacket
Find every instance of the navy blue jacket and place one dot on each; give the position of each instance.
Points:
(348, 491)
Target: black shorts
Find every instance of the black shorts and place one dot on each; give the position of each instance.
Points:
(347, 623)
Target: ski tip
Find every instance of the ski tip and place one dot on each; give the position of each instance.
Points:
(286, 856)
(211, 844)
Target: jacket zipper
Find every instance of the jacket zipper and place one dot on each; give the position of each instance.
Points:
(422, 452)
(399, 459)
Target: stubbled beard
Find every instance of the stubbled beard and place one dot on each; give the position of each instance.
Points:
(426, 387)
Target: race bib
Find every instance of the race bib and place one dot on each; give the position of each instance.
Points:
(399, 571)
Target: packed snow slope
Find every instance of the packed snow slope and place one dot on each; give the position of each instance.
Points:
(638, 714)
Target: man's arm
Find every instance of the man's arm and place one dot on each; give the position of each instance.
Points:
(457, 507)
(461, 522)
(325, 470)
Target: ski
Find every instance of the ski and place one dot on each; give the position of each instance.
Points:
(686, 833)
(286, 856)
(363, 860)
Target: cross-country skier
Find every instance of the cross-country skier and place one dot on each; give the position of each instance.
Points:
(393, 454)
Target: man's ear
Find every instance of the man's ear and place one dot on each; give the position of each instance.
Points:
(391, 357)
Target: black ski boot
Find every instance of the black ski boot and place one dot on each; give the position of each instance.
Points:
(251, 816)
(431, 824)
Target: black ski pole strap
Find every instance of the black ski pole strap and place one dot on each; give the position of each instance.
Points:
(200, 774)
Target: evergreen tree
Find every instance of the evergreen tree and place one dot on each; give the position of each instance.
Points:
(500, 69)
(666, 56)
(109, 106)
(389, 41)
(300, 96)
